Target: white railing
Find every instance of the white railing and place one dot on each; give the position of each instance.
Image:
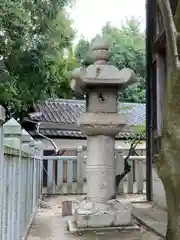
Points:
(67, 174)
(20, 182)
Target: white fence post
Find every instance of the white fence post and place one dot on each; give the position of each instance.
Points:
(130, 183)
(12, 183)
(2, 120)
(140, 182)
(26, 187)
(36, 172)
(38, 160)
(80, 169)
(119, 167)
(31, 165)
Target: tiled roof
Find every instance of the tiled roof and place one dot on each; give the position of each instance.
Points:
(66, 112)
(61, 110)
(78, 134)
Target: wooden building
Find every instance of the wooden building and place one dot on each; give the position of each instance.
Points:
(156, 77)
(58, 122)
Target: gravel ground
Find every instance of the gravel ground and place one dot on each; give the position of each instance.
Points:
(50, 225)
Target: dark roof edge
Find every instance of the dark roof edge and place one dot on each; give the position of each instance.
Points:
(79, 137)
(75, 101)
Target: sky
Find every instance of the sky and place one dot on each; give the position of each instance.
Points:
(89, 16)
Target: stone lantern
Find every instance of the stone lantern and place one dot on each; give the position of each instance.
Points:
(101, 122)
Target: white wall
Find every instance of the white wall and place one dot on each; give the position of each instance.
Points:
(159, 197)
(74, 143)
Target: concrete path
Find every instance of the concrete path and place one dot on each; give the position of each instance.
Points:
(151, 217)
(49, 225)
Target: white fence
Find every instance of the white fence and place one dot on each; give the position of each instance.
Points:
(67, 174)
(20, 180)
(21, 161)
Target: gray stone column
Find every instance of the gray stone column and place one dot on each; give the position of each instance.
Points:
(100, 168)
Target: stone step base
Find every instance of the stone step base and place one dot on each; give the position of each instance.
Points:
(107, 214)
(72, 228)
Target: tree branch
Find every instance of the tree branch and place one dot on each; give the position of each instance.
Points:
(170, 30)
(127, 166)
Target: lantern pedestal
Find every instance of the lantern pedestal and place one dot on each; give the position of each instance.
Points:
(98, 215)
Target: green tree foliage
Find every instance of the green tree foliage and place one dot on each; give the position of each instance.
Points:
(82, 52)
(33, 36)
(127, 49)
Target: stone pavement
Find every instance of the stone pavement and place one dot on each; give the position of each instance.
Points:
(152, 217)
(49, 225)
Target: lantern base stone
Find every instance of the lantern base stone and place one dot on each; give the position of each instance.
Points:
(72, 228)
(110, 215)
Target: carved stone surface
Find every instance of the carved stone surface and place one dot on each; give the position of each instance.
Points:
(77, 83)
(103, 100)
(100, 168)
(100, 73)
(101, 123)
(93, 215)
(103, 178)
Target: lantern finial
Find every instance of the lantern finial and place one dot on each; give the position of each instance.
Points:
(100, 51)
